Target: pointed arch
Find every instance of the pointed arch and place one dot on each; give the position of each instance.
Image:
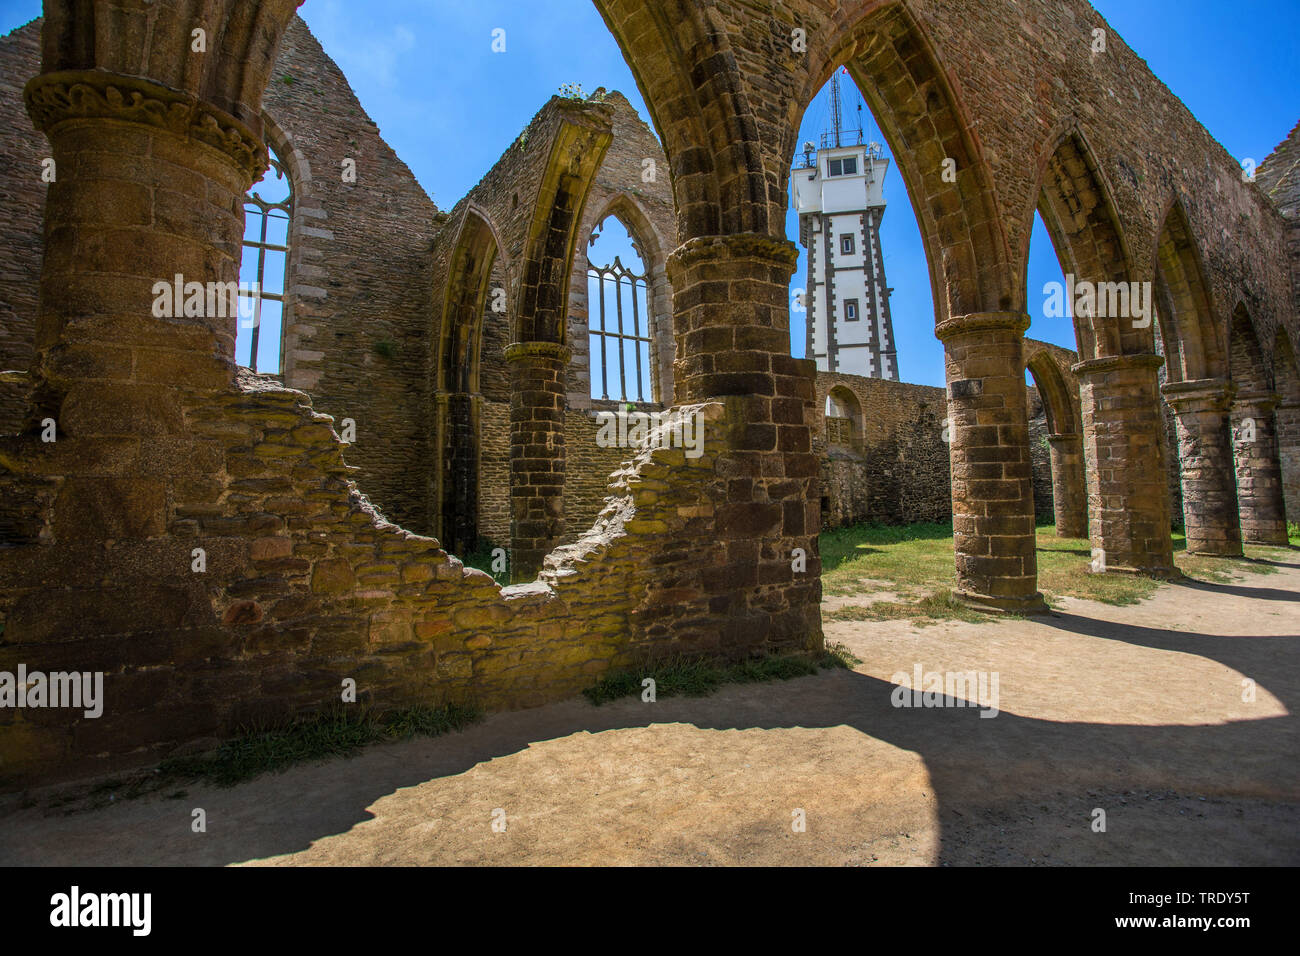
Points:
(628, 210)
(296, 370)
(686, 70)
(904, 83)
(477, 249)
(1059, 392)
(653, 248)
(1250, 373)
(1078, 210)
(1062, 410)
(1193, 347)
(458, 402)
(577, 151)
(842, 419)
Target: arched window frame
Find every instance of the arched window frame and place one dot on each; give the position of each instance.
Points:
(843, 416)
(642, 334)
(254, 204)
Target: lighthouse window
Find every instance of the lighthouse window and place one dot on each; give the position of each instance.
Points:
(846, 245)
(847, 166)
(850, 310)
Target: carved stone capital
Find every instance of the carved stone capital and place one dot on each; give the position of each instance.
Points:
(54, 98)
(1017, 323)
(524, 351)
(1117, 363)
(1211, 394)
(778, 251)
(1257, 402)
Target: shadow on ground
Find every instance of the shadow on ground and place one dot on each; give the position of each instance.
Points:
(1009, 789)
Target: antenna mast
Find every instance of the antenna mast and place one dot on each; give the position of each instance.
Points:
(837, 119)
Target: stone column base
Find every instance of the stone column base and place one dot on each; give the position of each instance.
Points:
(1157, 572)
(1033, 604)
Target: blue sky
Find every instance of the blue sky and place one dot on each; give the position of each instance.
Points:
(449, 106)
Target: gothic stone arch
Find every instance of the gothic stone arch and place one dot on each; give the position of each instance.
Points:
(458, 400)
(1059, 391)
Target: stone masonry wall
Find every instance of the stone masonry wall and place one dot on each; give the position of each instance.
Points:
(304, 585)
(361, 290)
(904, 463)
(913, 484)
(358, 281)
(1023, 74)
(1279, 180)
(500, 222)
(901, 471)
(494, 474)
(1044, 504)
(22, 203)
(586, 484)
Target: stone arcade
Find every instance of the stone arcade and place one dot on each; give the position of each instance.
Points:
(165, 445)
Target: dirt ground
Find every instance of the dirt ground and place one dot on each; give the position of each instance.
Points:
(1136, 711)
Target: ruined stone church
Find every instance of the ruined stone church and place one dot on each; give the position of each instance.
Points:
(227, 517)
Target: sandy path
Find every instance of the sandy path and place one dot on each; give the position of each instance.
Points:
(1137, 711)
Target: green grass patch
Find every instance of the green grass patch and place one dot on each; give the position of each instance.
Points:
(482, 559)
(257, 750)
(930, 609)
(838, 657)
(916, 563)
(916, 557)
(1065, 570)
(339, 733)
(699, 677)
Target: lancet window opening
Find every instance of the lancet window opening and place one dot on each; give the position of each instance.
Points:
(264, 266)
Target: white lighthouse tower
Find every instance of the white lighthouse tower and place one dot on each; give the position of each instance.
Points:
(839, 196)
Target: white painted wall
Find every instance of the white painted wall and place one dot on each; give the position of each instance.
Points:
(838, 204)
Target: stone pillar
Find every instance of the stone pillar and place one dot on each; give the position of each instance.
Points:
(537, 407)
(731, 326)
(992, 471)
(1204, 449)
(731, 322)
(149, 186)
(1287, 419)
(1128, 487)
(1069, 486)
(1259, 472)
